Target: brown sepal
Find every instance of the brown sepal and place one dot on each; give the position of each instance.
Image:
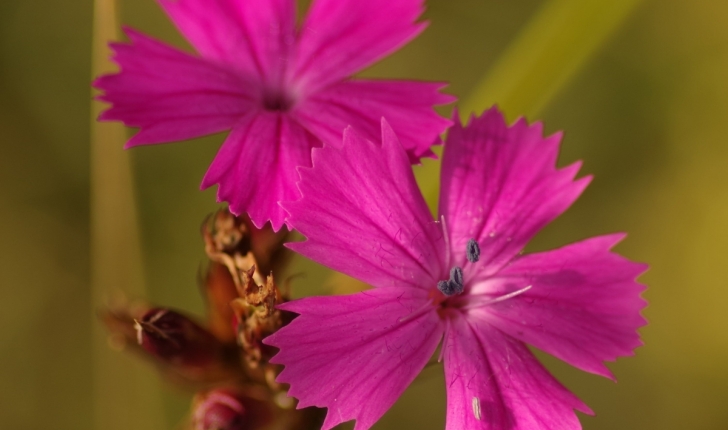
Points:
(220, 290)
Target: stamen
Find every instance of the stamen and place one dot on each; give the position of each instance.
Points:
(456, 276)
(417, 312)
(447, 288)
(443, 347)
(446, 236)
(476, 408)
(455, 285)
(478, 303)
(473, 251)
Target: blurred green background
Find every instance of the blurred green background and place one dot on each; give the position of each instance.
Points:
(640, 87)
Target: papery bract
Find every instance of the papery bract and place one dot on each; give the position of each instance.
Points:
(362, 215)
(280, 90)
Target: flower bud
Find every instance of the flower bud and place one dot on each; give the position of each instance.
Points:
(227, 410)
(176, 339)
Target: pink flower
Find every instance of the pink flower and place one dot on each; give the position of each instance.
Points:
(463, 279)
(280, 90)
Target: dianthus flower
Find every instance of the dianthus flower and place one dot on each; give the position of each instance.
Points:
(461, 278)
(279, 89)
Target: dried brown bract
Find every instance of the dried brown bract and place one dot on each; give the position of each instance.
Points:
(257, 316)
(236, 243)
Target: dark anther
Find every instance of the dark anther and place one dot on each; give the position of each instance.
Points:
(456, 276)
(449, 288)
(473, 251)
(455, 285)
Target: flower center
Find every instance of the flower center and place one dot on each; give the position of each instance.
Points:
(277, 100)
(456, 283)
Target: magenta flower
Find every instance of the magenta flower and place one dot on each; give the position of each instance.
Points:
(281, 90)
(462, 278)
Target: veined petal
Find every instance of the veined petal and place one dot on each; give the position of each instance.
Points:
(583, 305)
(253, 36)
(500, 186)
(407, 106)
(363, 215)
(169, 94)
(256, 166)
(495, 383)
(341, 37)
(356, 354)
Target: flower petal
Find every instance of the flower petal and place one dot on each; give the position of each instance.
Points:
(170, 94)
(253, 36)
(407, 106)
(356, 354)
(495, 383)
(500, 186)
(256, 166)
(363, 214)
(341, 37)
(583, 305)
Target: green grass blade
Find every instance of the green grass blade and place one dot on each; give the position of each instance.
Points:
(548, 53)
(126, 391)
(553, 47)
